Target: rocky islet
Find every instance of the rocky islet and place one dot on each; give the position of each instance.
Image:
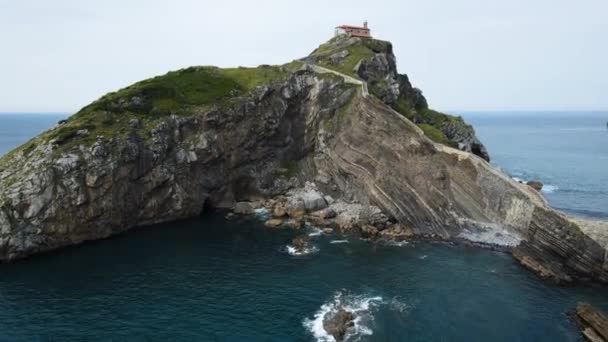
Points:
(307, 143)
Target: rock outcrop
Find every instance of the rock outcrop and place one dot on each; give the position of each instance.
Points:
(376, 64)
(536, 185)
(337, 324)
(592, 322)
(170, 147)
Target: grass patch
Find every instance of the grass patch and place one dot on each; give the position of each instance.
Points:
(177, 92)
(434, 134)
(356, 53)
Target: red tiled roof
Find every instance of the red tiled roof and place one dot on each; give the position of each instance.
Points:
(353, 27)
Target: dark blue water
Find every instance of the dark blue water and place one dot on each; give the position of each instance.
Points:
(568, 151)
(210, 279)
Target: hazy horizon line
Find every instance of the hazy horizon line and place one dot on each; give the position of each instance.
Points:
(57, 112)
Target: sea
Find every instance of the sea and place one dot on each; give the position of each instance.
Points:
(232, 279)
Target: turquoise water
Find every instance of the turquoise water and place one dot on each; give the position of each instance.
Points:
(211, 279)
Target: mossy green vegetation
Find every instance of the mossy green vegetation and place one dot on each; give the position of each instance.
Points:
(356, 53)
(181, 92)
(362, 49)
(434, 134)
(176, 91)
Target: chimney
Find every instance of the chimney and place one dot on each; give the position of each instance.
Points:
(365, 24)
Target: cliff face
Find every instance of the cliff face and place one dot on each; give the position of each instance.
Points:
(172, 146)
(374, 62)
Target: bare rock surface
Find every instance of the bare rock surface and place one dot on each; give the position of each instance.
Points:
(592, 322)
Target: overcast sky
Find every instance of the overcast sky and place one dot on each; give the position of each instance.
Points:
(464, 54)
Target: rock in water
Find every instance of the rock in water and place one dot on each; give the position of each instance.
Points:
(338, 323)
(300, 243)
(592, 322)
(210, 137)
(273, 223)
(536, 185)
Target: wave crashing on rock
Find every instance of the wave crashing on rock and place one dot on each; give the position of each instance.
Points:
(354, 312)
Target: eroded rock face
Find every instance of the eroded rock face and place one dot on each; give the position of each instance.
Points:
(56, 198)
(379, 69)
(592, 322)
(263, 144)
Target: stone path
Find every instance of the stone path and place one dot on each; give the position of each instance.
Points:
(348, 79)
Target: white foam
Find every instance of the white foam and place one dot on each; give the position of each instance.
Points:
(291, 250)
(549, 189)
(316, 232)
(397, 243)
(519, 180)
(360, 306)
(262, 213)
(338, 241)
(396, 304)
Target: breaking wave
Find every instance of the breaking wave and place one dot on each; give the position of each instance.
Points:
(396, 243)
(262, 213)
(549, 189)
(363, 307)
(316, 232)
(338, 241)
(291, 250)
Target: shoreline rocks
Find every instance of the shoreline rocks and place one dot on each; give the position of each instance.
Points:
(592, 322)
(536, 185)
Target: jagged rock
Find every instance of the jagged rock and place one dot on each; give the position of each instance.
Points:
(536, 185)
(325, 214)
(300, 243)
(368, 231)
(337, 58)
(308, 199)
(296, 208)
(397, 231)
(464, 136)
(346, 222)
(592, 322)
(337, 324)
(279, 211)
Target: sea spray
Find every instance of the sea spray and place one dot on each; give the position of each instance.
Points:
(363, 307)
